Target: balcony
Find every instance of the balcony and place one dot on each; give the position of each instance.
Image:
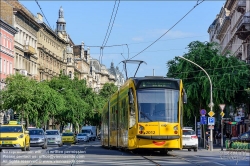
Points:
(28, 48)
(238, 53)
(241, 6)
(243, 29)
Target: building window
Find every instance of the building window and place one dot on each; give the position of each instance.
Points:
(0, 65)
(7, 67)
(70, 74)
(4, 66)
(11, 68)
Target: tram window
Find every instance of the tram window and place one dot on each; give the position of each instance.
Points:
(132, 118)
(131, 98)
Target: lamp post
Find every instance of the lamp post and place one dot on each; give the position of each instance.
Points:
(211, 105)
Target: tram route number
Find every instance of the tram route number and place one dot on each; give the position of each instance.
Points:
(149, 132)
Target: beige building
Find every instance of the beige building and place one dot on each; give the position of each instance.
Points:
(42, 53)
(231, 29)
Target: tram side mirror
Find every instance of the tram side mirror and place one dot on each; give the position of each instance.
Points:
(185, 98)
(130, 94)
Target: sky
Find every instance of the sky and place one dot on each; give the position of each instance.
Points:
(136, 26)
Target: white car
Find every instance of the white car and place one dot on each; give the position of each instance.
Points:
(189, 139)
(54, 137)
(82, 137)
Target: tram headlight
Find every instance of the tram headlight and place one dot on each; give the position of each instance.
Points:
(141, 128)
(175, 129)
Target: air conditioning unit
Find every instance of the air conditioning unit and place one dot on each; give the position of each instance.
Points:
(24, 72)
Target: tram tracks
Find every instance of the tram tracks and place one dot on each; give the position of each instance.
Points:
(159, 160)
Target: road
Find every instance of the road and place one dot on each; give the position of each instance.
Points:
(92, 154)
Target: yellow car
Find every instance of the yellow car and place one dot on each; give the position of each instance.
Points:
(14, 136)
(68, 138)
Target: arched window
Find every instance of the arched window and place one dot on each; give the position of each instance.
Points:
(70, 74)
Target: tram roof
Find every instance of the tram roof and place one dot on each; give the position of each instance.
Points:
(156, 78)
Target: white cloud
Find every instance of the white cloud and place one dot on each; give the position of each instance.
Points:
(137, 39)
(170, 34)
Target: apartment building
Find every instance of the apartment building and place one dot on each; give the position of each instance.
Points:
(7, 33)
(231, 29)
(51, 52)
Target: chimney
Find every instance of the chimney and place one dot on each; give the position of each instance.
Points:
(40, 17)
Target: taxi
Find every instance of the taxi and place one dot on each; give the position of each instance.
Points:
(14, 136)
(68, 138)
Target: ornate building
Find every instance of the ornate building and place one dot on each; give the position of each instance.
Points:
(51, 52)
(7, 33)
(231, 29)
(42, 53)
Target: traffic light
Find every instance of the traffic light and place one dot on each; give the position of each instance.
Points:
(16, 116)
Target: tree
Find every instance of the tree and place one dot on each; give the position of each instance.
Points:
(18, 94)
(229, 76)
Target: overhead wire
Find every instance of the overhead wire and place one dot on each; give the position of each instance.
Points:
(198, 3)
(43, 13)
(109, 31)
(212, 69)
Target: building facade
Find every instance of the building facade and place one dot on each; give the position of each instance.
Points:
(231, 29)
(7, 33)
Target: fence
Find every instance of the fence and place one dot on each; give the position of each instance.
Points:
(238, 151)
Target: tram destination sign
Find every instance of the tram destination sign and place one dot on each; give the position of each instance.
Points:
(171, 84)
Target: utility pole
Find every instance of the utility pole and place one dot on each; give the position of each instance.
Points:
(153, 72)
(211, 104)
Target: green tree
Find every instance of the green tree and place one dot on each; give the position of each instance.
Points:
(17, 95)
(229, 76)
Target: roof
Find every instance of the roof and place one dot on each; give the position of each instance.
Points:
(158, 78)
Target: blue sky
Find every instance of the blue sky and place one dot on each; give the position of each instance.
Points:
(137, 24)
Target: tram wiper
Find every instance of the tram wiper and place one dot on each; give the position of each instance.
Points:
(146, 116)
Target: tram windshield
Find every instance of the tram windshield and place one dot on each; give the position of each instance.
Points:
(158, 105)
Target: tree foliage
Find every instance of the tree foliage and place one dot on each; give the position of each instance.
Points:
(229, 77)
(61, 99)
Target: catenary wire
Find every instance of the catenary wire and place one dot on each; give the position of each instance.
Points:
(43, 13)
(109, 24)
(198, 3)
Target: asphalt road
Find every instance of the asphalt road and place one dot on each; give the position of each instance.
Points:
(92, 154)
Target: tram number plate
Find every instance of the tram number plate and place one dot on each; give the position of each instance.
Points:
(149, 132)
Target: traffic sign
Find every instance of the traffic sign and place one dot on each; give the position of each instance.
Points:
(222, 106)
(16, 116)
(211, 113)
(211, 120)
(222, 114)
(211, 127)
(203, 112)
(203, 120)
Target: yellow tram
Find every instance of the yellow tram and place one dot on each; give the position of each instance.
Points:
(145, 113)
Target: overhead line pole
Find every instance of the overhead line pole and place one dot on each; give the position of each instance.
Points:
(211, 105)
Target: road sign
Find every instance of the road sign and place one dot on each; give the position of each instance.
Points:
(211, 120)
(211, 113)
(222, 106)
(203, 120)
(222, 114)
(211, 127)
(16, 116)
(203, 112)
(246, 121)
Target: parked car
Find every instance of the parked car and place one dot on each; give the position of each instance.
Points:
(38, 138)
(245, 137)
(54, 137)
(82, 137)
(189, 139)
(68, 138)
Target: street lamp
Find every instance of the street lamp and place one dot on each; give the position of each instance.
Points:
(211, 104)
